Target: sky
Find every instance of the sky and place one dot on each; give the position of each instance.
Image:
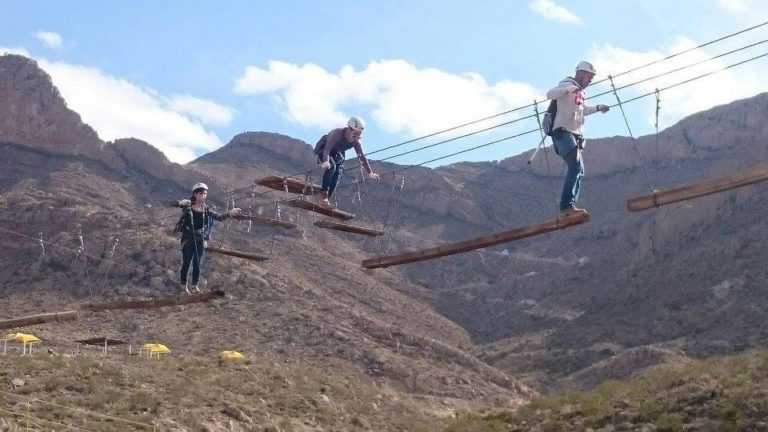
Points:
(189, 76)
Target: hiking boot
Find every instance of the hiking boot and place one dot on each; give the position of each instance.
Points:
(185, 289)
(572, 210)
(196, 288)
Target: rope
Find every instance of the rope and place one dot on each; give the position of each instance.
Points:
(634, 141)
(546, 159)
(109, 267)
(397, 209)
(685, 51)
(370, 207)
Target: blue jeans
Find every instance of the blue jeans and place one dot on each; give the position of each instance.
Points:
(333, 175)
(567, 146)
(191, 253)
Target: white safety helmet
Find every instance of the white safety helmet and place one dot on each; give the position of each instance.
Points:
(586, 66)
(356, 124)
(199, 186)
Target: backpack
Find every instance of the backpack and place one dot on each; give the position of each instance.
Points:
(548, 122)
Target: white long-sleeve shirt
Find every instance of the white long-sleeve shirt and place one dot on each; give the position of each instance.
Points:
(571, 107)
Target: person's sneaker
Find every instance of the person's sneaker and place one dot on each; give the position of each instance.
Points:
(185, 289)
(325, 202)
(571, 211)
(196, 288)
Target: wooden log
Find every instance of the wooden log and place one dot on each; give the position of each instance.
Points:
(348, 228)
(115, 305)
(698, 189)
(294, 186)
(154, 303)
(265, 220)
(323, 210)
(477, 243)
(234, 253)
(39, 319)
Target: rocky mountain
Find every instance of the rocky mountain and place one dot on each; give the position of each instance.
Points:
(607, 299)
(305, 304)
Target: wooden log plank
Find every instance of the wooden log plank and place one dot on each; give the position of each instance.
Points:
(698, 189)
(234, 253)
(265, 220)
(348, 228)
(154, 303)
(323, 210)
(294, 186)
(39, 319)
(477, 243)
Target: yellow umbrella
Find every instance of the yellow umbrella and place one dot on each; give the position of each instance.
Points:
(231, 355)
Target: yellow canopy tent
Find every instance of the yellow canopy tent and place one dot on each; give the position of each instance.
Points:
(26, 340)
(231, 355)
(155, 348)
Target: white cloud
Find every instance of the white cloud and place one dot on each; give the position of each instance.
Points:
(403, 98)
(116, 108)
(50, 39)
(206, 111)
(719, 88)
(553, 11)
(732, 5)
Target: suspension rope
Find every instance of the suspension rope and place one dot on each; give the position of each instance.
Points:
(679, 53)
(397, 208)
(656, 123)
(369, 206)
(109, 266)
(546, 159)
(632, 137)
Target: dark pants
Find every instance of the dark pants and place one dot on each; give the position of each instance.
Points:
(191, 253)
(333, 175)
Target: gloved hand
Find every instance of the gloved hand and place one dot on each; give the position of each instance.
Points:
(325, 165)
(234, 212)
(373, 176)
(184, 203)
(603, 108)
(573, 89)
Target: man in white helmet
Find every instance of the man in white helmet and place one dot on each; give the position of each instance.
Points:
(330, 151)
(195, 226)
(567, 137)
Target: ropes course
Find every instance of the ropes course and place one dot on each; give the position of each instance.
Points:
(301, 194)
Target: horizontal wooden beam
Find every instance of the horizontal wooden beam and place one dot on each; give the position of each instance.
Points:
(348, 228)
(39, 319)
(238, 254)
(323, 210)
(698, 189)
(477, 243)
(113, 305)
(294, 186)
(265, 220)
(154, 303)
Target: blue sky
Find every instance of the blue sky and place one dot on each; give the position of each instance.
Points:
(188, 76)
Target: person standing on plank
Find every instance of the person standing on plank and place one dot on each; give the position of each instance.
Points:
(330, 151)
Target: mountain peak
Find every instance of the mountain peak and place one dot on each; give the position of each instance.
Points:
(34, 114)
